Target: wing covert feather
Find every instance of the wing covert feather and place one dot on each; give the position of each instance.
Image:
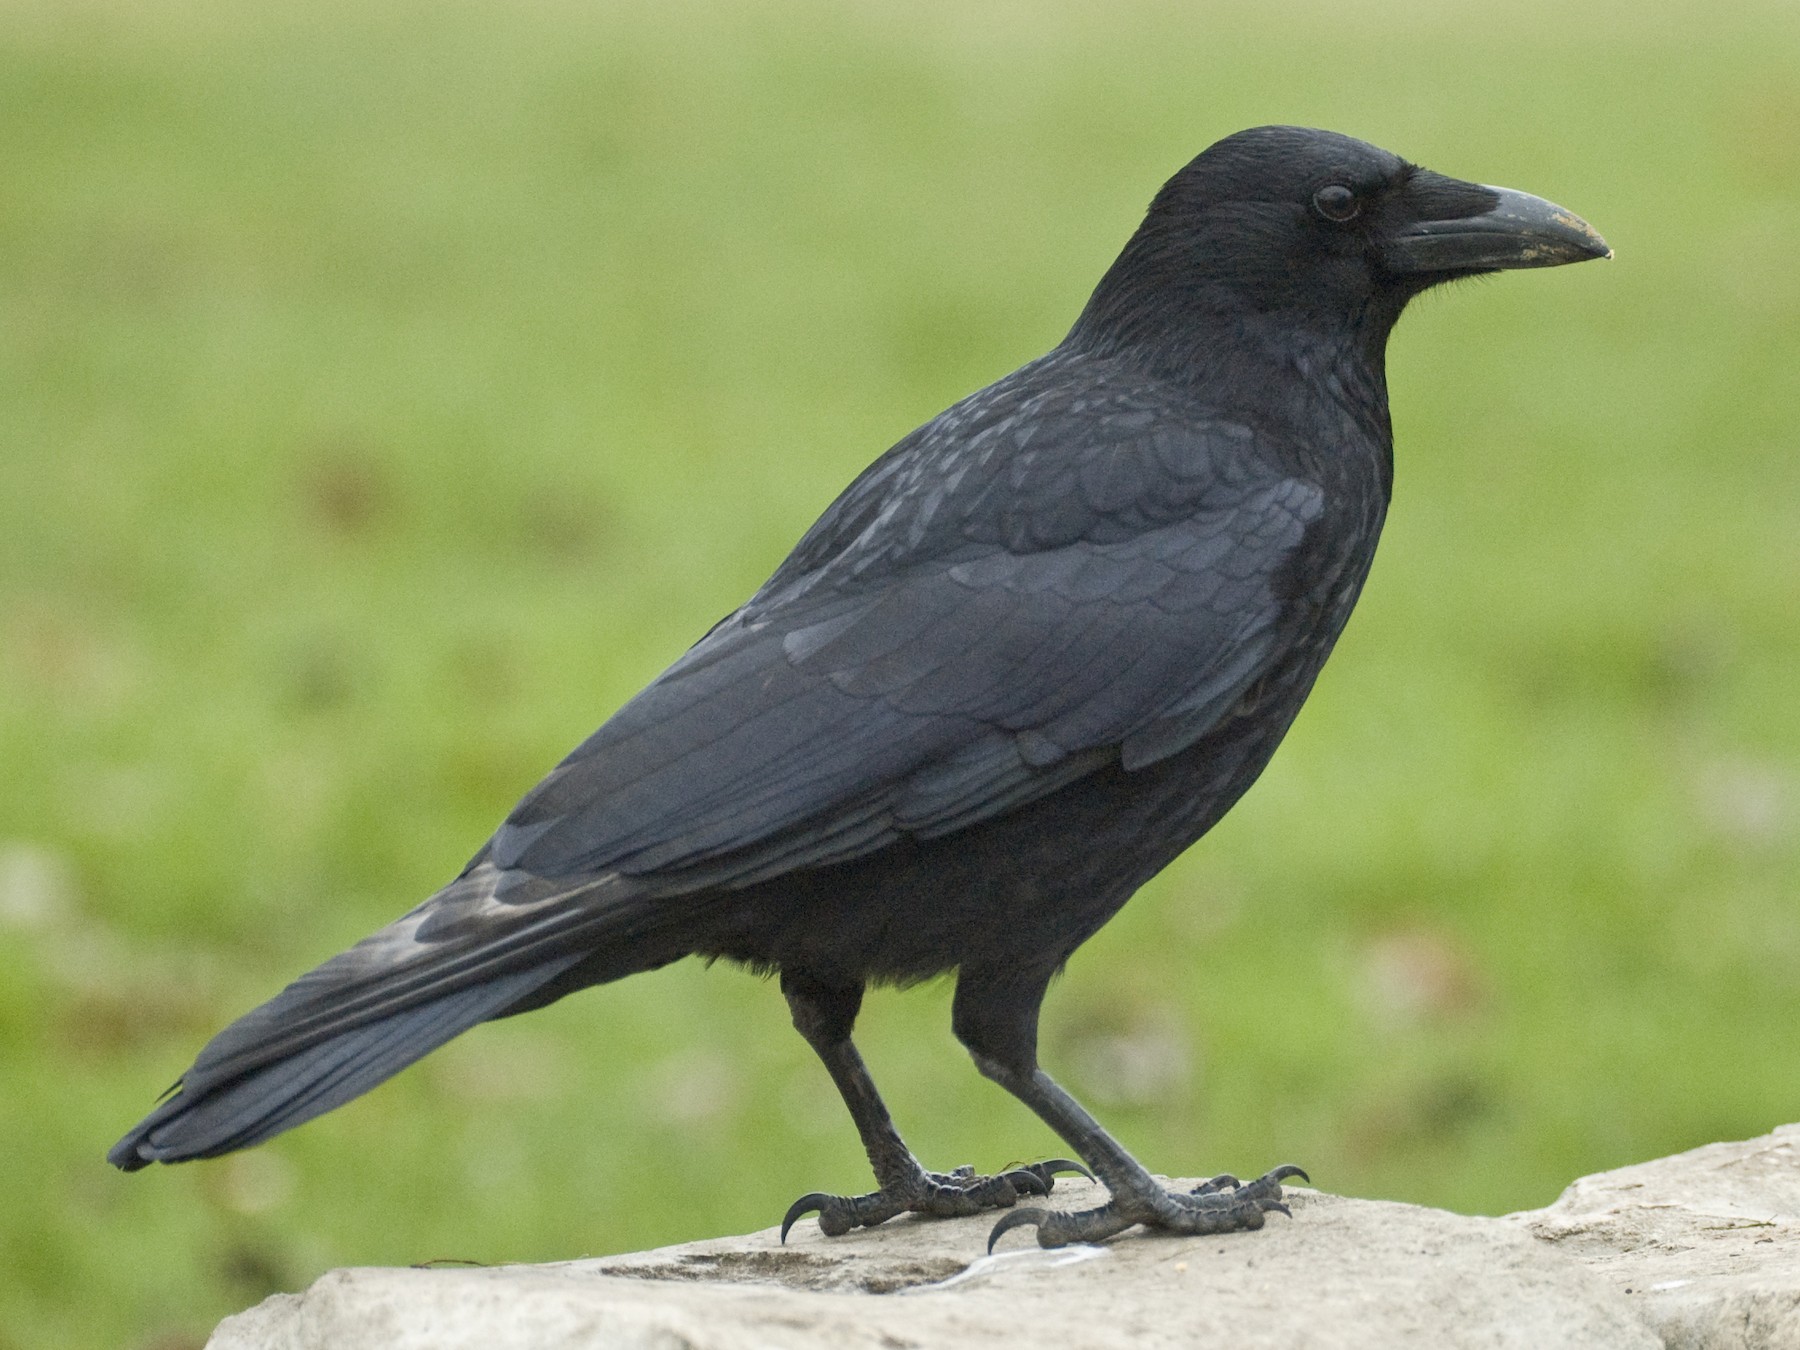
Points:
(821, 722)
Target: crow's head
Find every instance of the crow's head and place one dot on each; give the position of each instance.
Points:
(1321, 231)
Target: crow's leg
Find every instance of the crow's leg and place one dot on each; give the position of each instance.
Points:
(996, 1016)
(824, 1014)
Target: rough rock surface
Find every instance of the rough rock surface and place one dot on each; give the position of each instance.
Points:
(1706, 1244)
(1699, 1251)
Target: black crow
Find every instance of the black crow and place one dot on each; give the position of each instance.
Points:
(1030, 655)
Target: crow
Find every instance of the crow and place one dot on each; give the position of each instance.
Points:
(1031, 654)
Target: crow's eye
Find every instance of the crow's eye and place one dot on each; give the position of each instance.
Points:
(1336, 203)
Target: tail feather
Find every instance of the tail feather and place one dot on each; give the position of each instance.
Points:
(203, 1121)
(486, 924)
(490, 942)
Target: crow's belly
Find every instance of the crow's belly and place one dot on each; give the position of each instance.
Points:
(1027, 888)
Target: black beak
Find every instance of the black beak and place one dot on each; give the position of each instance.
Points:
(1518, 231)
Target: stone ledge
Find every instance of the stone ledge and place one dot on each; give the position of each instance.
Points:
(1700, 1251)
(1706, 1244)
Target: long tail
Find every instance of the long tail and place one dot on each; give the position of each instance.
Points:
(488, 944)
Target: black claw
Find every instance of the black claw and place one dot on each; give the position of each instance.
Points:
(806, 1204)
(1017, 1219)
(1221, 1182)
(1059, 1165)
(1287, 1170)
(1027, 1181)
(1268, 1205)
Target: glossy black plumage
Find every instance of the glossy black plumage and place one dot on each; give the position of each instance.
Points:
(1031, 654)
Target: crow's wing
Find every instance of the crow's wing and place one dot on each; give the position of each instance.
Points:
(849, 704)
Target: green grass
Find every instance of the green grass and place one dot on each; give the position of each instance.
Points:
(387, 392)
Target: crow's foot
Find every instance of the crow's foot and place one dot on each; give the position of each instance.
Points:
(1222, 1205)
(940, 1194)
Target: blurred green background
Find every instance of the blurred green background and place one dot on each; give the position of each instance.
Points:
(387, 392)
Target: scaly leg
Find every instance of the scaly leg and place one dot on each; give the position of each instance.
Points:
(824, 1015)
(996, 1015)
